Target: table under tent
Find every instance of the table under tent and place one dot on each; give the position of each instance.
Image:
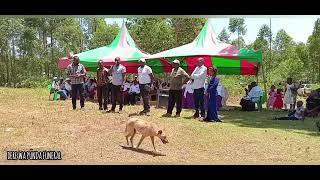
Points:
(229, 59)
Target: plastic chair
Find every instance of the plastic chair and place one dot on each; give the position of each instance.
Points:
(56, 95)
(262, 100)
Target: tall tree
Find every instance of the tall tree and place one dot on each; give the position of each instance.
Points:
(103, 34)
(186, 29)
(237, 25)
(239, 42)
(262, 43)
(314, 50)
(152, 34)
(224, 36)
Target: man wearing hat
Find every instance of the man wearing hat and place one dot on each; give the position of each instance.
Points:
(145, 78)
(178, 77)
(76, 73)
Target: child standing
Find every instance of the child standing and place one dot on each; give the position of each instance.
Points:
(278, 103)
(288, 96)
(272, 97)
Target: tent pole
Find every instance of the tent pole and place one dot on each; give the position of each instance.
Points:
(264, 81)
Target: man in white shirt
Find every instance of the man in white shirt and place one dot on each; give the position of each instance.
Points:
(145, 78)
(248, 102)
(134, 91)
(199, 76)
(118, 72)
(255, 93)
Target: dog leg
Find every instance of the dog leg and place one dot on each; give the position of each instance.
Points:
(142, 138)
(131, 139)
(127, 140)
(152, 140)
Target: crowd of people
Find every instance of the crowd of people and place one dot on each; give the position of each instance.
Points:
(111, 85)
(278, 100)
(63, 88)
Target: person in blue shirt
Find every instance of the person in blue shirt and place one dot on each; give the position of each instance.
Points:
(212, 113)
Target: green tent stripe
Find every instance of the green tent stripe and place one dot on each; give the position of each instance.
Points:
(155, 65)
(248, 54)
(227, 66)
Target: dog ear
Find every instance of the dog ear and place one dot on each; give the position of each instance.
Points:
(160, 132)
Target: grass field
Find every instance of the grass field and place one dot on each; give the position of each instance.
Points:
(29, 121)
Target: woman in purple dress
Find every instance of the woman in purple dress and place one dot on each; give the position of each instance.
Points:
(212, 113)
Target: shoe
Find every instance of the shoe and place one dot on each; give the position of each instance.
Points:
(166, 115)
(111, 111)
(177, 116)
(219, 120)
(74, 108)
(202, 119)
(196, 115)
(100, 108)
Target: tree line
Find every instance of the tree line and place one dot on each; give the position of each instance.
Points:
(30, 47)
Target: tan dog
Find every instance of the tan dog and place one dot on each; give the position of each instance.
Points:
(146, 129)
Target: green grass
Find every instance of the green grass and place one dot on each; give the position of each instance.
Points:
(29, 120)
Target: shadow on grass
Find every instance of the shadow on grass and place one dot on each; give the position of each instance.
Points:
(190, 117)
(142, 151)
(263, 119)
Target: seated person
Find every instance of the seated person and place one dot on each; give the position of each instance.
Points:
(56, 87)
(297, 114)
(67, 87)
(225, 98)
(92, 87)
(164, 85)
(62, 92)
(153, 91)
(134, 92)
(187, 101)
(248, 102)
(85, 88)
(125, 90)
(220, 95)
(313, 104)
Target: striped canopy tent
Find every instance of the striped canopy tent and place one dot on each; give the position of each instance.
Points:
(122, 46)
(229, 59)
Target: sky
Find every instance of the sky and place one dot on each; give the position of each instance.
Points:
(298, 27)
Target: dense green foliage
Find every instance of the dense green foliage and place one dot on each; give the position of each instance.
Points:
(30, 47)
